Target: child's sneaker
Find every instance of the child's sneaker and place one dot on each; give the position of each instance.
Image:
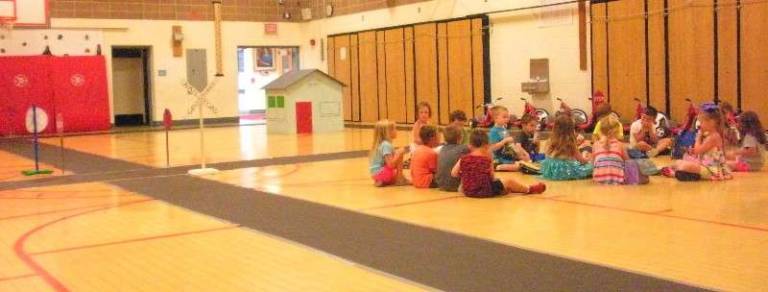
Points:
(537, 188)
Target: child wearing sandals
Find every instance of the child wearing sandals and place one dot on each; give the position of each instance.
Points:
(564, 161)
(750, 157)
(386, 166)
(707, 158)
(477, 173)
(609, 153)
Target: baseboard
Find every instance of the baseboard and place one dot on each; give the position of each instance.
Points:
(129, 120)
(208, 121)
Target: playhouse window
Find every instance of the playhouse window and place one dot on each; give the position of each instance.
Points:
(276, 102)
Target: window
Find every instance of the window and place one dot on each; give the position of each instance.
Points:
(275, 102)
(240, 60)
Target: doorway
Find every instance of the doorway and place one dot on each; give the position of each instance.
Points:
(131, 86)
(257, 67)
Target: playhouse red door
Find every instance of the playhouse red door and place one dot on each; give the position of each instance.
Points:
(303, 117)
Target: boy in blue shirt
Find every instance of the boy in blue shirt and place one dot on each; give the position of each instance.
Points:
(506, 153)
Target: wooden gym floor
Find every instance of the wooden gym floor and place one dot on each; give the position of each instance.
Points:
(115, 220)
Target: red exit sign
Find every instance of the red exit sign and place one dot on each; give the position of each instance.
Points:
(270, 28)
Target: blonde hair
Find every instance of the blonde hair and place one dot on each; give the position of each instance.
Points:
(609, 129)
(563, 141)
(381, 132)
(497, 109)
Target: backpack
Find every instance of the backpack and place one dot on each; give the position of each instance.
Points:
(683, 142)
(633, 175)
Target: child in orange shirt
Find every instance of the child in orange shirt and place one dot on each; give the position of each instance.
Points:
(424, 159)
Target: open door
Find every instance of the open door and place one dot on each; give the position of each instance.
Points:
(304, 117)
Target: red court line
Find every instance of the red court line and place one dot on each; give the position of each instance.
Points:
(18, 247)
(55, 211)
(11, 278)
(161, 236)
(654, 213)
(65, 198)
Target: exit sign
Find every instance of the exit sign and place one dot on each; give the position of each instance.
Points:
(270, 28)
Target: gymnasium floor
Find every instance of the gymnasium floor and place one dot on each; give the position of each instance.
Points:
(300, 213)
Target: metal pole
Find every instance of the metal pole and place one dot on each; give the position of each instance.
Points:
(34, 135)
(202, 133)
(167, 151)
(61, 152)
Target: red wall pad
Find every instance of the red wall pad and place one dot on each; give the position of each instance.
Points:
(76, 87)
(80, 92)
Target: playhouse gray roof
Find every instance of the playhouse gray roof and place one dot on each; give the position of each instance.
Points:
(292, 77)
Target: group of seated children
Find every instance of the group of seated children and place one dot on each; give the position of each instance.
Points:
(452, 166)
(467, 160)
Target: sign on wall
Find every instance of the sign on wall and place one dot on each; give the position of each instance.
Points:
(270, 28)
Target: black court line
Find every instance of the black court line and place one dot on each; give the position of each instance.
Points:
(435, 258)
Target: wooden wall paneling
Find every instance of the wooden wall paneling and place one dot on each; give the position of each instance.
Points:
(727, 71)
(381, 58)
(656, 56)
(478, 74)
(599, 48)
(443, 80)
(355, 76)
(626, 53)
(410, 80)
(369, 94)
(754, 59)
(460, 66)
(343, 72)
(331, 57)
(395, 65)
(691, 55)
(425, 40)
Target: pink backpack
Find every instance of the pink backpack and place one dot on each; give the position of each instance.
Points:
(633, 175)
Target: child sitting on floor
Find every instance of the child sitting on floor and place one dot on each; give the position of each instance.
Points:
(750, 157)
(423, 115)
(459, 118)
(452, 151)
(564, 161)
(609, 153)
(529, 137)
(386, 161)
(506, 153)
(708, 159)
(477, 173)
(424, 159)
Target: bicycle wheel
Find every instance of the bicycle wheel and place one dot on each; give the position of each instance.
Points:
(579, 117)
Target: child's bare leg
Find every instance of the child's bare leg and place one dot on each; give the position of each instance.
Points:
(642, 146)
(400, 179)
(522, 154)
(513, 186)
(664, 144)
(688, 166)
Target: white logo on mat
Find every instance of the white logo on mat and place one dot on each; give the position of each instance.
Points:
(20, 80)
(77, 80)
